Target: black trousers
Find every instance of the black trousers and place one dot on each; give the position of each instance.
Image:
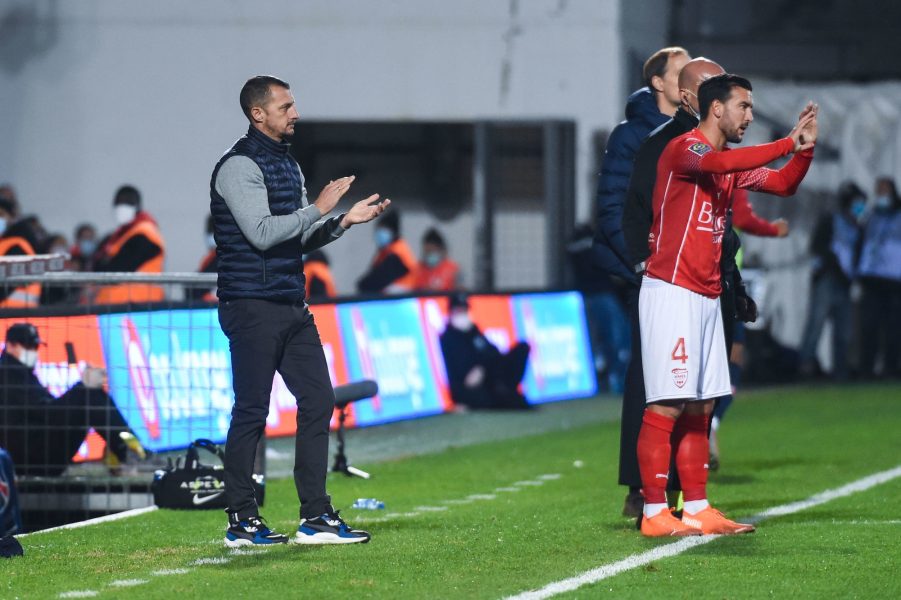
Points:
(265, 337)
(634, 401)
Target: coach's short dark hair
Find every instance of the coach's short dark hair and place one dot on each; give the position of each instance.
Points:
(719, 88)
(655, 66)
(256, 91)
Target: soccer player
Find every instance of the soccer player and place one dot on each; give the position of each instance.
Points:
(682, 339)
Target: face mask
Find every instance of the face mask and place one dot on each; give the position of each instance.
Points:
(3, 223)
(124, 213)
(432, 259)
(689, 107)
(59, 250)
(461, 320)
(883, 201)
(857, 208)
(29, 358)
(87, 247)
(383, 237)
(210, 241)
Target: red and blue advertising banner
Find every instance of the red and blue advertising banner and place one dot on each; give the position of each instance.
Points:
(170, 370)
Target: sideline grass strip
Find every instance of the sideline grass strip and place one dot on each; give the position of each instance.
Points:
(777, 447)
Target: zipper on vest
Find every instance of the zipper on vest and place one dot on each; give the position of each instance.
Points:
(264, 266)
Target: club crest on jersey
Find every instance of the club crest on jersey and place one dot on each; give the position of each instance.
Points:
(700, 148)
(680, 376)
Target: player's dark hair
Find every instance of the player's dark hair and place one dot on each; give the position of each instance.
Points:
(256, 91)
(655, 66)
(719, 88)
(128, 194)
(433, 237)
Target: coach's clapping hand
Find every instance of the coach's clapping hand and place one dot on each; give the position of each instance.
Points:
(332, 193)
(364, 211)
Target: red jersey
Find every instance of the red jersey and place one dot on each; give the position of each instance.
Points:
(691, 195)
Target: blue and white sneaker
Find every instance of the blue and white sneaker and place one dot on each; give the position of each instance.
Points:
(251, 531)
(328, 528)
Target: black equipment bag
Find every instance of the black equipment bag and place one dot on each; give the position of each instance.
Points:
(188, 483)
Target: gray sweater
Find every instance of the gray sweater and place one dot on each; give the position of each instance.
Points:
(240, 183)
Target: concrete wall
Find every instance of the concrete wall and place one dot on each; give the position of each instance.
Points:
(97, 93)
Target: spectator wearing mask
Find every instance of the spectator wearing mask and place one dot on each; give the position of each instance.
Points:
(18, 239)
(393, 270)
(833, 245)
(879, 270)
(436, 271)
(480, 376)
(41, 432)
(318, 275)
(84, 247)
(136, 246)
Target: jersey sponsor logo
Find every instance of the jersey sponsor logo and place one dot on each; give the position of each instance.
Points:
(680, 376)
(700, 148)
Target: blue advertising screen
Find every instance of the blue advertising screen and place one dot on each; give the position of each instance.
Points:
(560, 362)
(384, 340)
(169, 374)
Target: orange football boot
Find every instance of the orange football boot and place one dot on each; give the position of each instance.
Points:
(711, 521)
(664, 524)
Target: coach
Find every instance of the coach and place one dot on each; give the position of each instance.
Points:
(263, 223)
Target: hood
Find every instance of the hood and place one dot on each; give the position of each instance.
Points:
(641, 106)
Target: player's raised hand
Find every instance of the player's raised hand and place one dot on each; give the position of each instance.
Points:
(365, 211)
(332, 193)
(810, 131)
(805, 132)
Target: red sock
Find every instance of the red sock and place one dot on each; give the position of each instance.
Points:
(654, 455)
(692, 453)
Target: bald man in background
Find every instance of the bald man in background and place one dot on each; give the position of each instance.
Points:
(638, 214)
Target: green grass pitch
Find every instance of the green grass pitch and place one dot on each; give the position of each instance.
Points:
(503, 517)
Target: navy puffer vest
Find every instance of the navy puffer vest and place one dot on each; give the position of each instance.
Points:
(275, 274)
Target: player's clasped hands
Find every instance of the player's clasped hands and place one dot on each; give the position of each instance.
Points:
(805, 132)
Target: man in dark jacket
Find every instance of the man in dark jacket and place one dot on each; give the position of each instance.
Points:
(42, 432)
(646, 109)
(263, 223)
(480, 375)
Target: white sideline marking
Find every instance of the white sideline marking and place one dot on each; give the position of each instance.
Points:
(79, 594)
(96, 521)
(165, 572)
(529, 482)
(550, 476)
(507, 489)
(216, 560)
(481, 496)
(127, 582)
(668, 550)
(431, 508)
